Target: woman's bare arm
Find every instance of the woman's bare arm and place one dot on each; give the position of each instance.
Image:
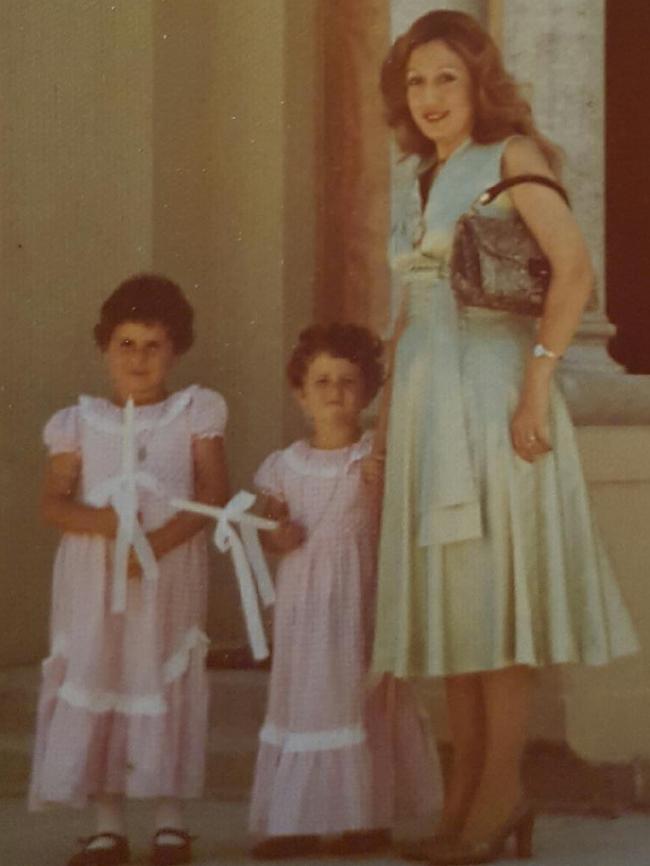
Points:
(553, 225)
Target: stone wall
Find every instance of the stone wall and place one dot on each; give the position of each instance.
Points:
(178, 137)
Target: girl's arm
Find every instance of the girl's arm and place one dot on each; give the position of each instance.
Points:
(553, 225)
(372, 467)
(288, 536)
(210, 486)
(58, 506)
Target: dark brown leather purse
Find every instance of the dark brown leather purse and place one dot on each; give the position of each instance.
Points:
(496, 263)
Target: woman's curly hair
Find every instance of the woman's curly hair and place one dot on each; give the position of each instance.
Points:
(499, 107)
(353, 342)
(148, 298)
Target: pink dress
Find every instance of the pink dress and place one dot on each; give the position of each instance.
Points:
(123, 704)
(337, 752)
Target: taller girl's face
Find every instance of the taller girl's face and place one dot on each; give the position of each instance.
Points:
(139, 357)
(439, 95)
(333, 391)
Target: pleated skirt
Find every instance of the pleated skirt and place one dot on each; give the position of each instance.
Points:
(537, 587)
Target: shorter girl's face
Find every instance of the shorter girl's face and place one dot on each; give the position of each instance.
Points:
(333, 392)
(139, 356)
(439, 95)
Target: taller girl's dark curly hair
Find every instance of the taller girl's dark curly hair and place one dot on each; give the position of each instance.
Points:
(148, 298)
(353, 342)
(500, 109)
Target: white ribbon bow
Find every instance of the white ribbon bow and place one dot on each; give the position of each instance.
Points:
(247, 556)
(121, 492)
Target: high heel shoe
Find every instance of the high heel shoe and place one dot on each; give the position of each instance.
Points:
(520, 824)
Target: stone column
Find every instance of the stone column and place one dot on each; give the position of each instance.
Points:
(556, 50)
(353, 207)
(76, 84)
(404, 12)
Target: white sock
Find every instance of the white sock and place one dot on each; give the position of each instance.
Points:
(169, 814)
(109, 818)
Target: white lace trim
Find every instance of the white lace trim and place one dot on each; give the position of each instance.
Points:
(103, 702)
(324, 464)
(153, 704)
(312, 741)
(212, 433)
(176, 404)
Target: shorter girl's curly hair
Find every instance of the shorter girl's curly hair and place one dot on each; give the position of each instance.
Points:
(148, 298)
(353, 342)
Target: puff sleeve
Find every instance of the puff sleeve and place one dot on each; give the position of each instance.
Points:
(269, 477)
(208, 414)
(62, 432)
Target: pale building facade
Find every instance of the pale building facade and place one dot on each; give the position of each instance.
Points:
(238, 147)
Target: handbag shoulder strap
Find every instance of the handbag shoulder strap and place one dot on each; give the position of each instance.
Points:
(493, 191)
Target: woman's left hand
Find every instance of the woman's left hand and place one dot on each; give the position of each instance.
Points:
(529, 426)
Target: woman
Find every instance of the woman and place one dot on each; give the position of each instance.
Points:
(490, 565)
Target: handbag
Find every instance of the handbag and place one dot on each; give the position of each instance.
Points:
(496, 263)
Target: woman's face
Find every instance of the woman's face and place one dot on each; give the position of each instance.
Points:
(439, 95)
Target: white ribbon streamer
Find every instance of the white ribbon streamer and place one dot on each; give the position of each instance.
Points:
(121, 492)
(250, 566)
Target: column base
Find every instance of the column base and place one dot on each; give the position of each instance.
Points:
(597, 389)
(601, 397)
(589, 348)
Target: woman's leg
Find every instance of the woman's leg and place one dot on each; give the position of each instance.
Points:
(506, 699)
(467, 728)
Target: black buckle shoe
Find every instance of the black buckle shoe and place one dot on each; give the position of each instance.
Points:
(115, 855)
(172, 854)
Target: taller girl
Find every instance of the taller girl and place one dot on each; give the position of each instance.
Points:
(490, 564)
(123, 707)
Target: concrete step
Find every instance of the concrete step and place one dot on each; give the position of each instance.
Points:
(556, 777)
(237, 704)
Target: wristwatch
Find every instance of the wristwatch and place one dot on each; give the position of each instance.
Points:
(540, 351)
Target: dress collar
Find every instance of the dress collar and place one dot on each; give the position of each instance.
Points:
(324, 463)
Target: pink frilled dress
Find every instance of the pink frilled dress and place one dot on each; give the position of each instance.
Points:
(338, 752)
(123, 704)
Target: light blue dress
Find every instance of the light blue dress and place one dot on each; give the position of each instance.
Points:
(485, 560)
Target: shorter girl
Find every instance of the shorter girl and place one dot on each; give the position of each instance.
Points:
(338, 755)
(123, 706)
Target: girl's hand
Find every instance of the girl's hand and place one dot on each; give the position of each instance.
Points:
(59, 506)
(529, 426)
(107, 522)
(402, 319)
(372, 470)
(287, 537)
(133, 567)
